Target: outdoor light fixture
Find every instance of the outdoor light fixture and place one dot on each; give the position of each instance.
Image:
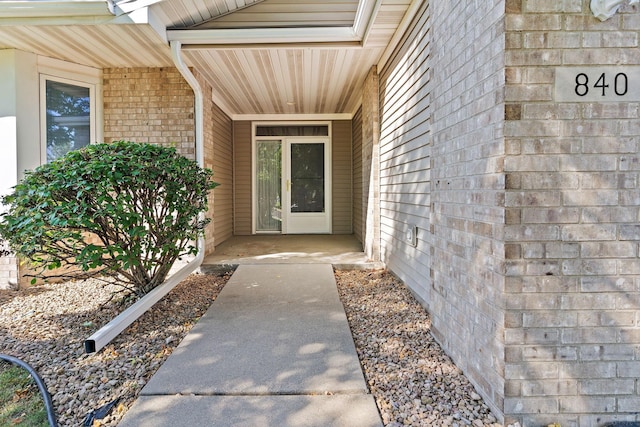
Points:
(412, 235)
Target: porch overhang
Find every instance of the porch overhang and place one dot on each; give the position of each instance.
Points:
(263, 66)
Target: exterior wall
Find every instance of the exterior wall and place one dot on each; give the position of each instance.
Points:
(405, 158)
(9, 150)
(218, 148)
(242, 221)
(573, 286)
(156, 105)
(442, 148)
(341, 182)
(19, 138)
(222, 167)
(153, 105)
(467, 93)
(356, 157)
(371, 166)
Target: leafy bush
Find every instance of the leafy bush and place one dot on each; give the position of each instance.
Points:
(124, 209)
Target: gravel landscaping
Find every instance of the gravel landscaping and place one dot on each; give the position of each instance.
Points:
(413, 381)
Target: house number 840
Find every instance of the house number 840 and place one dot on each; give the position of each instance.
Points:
(605, 83)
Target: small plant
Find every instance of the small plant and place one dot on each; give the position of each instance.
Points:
(124, 210)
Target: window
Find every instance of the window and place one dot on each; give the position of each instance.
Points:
(67, 117)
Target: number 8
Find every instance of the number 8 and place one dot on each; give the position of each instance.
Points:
(583, 84)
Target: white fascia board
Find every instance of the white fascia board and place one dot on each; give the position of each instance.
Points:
(259, 36)
(128, 6)
(48, 9)
(367, 10)
(143, 16)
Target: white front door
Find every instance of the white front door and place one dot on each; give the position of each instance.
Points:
(293, 185)
(308, 189)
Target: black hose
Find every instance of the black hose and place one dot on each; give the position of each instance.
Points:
(51, 413)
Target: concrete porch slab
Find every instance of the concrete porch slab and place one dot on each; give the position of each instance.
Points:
(341, 251)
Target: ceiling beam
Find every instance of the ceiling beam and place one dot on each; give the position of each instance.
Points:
(261, 36)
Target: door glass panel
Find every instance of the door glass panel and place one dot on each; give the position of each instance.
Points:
(68, 118)
(269, 186)
(307, 177)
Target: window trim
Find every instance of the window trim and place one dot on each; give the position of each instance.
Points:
(43, 109)
(72, 73)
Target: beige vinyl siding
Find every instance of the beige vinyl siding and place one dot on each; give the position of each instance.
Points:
(341, 179)
(405, 157)
(242, 178)
(357, 174)
(222, 174)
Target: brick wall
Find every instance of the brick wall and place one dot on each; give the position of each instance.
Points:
(467, 189)
(156, 105)
(153, 105)
(8, 269)
(573, 276)
(371, 166)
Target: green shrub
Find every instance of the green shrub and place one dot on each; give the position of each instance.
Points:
(124, 209)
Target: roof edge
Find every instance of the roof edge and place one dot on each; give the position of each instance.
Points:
(48, 9)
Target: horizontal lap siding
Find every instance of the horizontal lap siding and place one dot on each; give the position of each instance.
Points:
(242, 178)
(341, 179)
(223, 174)
(405, 157)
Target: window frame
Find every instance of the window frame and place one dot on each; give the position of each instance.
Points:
(50, 69)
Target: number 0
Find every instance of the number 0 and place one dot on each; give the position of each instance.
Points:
(621, 84)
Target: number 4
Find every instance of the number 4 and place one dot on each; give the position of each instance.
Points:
(602, 83)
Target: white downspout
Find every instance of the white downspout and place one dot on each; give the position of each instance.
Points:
(108, 332)
(176, 47)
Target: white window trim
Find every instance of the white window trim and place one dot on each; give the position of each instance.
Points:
(78, 75)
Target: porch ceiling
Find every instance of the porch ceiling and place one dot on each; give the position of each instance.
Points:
(261, 57)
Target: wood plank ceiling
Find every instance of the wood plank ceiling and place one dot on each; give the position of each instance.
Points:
(249, 76)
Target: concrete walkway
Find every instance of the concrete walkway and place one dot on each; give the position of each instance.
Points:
(274, 349)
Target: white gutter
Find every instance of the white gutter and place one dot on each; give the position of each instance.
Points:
(108, 332)
(48, 9)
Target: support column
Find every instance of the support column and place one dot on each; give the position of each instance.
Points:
(371, 165)
(9, 157)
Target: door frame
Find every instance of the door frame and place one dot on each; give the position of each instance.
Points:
(286, 141)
